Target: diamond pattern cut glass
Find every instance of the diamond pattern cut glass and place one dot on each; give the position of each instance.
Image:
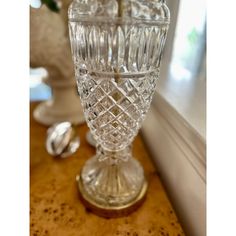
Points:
(117, 48)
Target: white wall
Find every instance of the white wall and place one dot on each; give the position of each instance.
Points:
(179, 154)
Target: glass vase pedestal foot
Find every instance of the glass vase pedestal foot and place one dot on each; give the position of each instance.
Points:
(112, 184)
(111, 211)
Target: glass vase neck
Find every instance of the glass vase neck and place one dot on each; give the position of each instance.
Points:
(113, 157)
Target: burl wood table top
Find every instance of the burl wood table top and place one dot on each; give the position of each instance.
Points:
(56, 210)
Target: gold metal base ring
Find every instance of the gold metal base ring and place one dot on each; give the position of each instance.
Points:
(111, 211)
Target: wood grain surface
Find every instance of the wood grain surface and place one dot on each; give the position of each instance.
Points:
(55, 208)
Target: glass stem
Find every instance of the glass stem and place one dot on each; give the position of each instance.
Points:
(114, 157)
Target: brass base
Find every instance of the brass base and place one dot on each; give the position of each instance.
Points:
(111, 211)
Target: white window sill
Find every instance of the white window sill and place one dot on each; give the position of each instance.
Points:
(188, 98)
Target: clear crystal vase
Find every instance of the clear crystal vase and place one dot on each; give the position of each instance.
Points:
(117, 47)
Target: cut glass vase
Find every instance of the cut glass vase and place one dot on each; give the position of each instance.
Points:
(117, 47)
